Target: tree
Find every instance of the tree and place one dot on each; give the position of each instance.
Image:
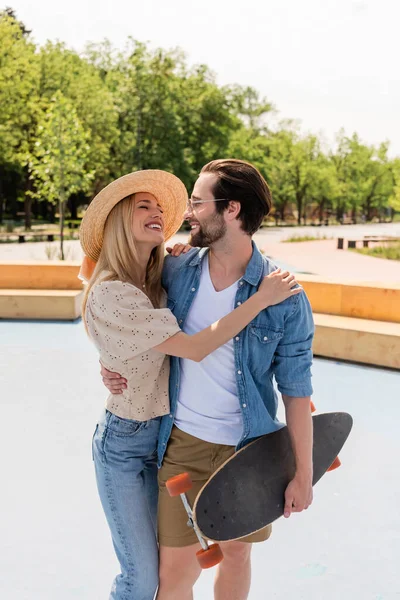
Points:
(58, 166)
(19, 77)
(365, 176)
(10, 12)
(246, 103)
(80, 82)
(324, 188)
(291, 166)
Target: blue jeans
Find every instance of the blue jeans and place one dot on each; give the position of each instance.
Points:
(124, 454)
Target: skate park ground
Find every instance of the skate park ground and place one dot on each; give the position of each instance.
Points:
(55, 542)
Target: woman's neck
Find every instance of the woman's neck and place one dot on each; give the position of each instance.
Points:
(143, 254)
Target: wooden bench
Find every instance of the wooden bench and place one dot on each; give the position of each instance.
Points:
(40, 275)
(366, 240)
(40, 290)
(357, 340)
(60, 305)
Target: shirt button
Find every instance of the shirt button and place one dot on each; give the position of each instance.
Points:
(239, 372)
(180, 320)
(237, 338)
(239, 303)
(170, 416)
(193, 289)
(240, 282)
(265, 338)
(244, 405)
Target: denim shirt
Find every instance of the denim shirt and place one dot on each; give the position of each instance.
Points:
(277, 343)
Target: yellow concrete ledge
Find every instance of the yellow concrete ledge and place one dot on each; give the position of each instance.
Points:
(357, 340)
(374, 301)
(62, 305)
(54, 275)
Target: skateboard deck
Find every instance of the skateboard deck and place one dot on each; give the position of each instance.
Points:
(247, 492)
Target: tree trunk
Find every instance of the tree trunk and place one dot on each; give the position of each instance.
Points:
(282, 211)
(321, 211)
(73, 207)
(51, 212)
(299, 204)
(28, 213)
(2, 197)
(368, 210)
(61, 209)
(28, 203)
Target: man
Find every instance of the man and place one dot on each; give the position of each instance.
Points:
(222, 403)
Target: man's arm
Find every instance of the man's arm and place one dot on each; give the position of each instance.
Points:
(292, 370)
(299, 493)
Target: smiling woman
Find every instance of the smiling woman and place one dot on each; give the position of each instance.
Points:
(147, 215)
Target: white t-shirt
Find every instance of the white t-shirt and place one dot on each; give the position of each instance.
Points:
(208, 404)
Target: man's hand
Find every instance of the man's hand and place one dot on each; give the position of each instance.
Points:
(113, 381)
(298, 495)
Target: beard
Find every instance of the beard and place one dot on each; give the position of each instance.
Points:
(209, 232)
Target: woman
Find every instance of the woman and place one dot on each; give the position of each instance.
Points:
(122, 234)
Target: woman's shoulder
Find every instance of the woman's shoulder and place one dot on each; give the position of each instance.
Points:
(115, 285)
(116, 290)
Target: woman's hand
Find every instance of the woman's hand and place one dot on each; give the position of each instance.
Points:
(277, 287)
(179, 249)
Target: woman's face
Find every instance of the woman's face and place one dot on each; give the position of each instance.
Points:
(148, 220)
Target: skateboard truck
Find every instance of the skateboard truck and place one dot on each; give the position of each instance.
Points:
(209, 555)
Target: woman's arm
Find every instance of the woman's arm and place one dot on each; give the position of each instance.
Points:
(275, 288)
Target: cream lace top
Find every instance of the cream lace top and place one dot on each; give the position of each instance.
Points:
(125, 327)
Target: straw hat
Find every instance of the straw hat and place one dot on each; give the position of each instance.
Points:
(168, 190)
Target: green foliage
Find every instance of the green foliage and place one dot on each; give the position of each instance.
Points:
(306, 238)
(391, 252)
(70, 123)
(58, 164)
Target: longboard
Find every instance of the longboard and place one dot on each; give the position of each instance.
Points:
(247, 492)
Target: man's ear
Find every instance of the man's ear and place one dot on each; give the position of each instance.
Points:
(233, 210)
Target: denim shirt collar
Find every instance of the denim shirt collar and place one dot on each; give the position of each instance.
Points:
(254, 269)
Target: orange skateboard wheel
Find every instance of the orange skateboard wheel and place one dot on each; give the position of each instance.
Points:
(336, 463)
(210, 557)
(180, 484)
(312, 406)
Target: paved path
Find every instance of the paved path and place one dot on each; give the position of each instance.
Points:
(323, 258)
(318, 257)
(55, 543)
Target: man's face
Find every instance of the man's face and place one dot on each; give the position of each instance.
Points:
(207, 225)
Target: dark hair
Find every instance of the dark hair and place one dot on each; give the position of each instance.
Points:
(239, 180)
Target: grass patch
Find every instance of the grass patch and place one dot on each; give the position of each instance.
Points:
(306, 238)
(390, 252)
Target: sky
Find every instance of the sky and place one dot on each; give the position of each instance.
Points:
(330, 64)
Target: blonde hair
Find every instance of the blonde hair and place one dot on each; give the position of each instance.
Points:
(118, 260)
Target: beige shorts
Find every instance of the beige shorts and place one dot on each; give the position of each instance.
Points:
(200, 459)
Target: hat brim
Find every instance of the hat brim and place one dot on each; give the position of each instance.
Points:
(168, 190)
